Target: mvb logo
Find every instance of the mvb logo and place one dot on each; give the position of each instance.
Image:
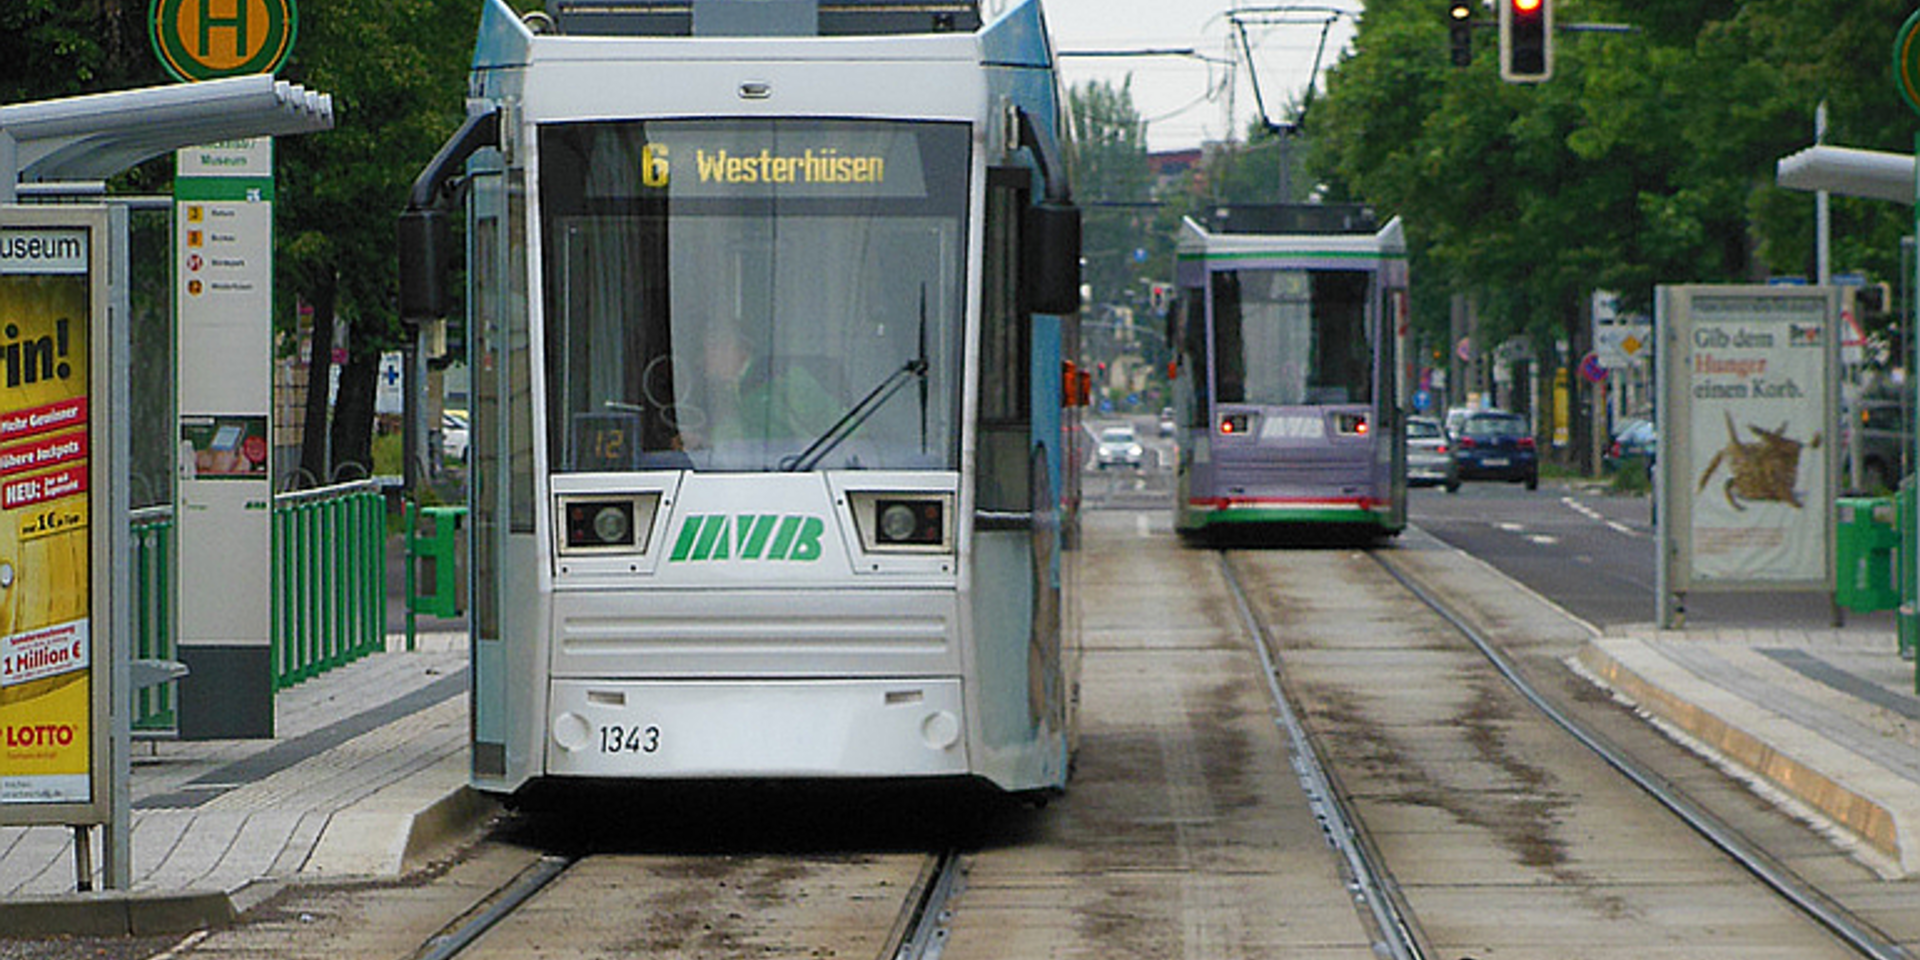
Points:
(746, 536)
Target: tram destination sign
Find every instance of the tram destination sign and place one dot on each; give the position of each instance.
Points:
(207, 39)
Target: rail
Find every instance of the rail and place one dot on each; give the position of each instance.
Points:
(1861, 936)
(329, 579)
(329, 589)
(153, 706)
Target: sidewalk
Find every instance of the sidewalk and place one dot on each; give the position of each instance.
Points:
(1827, 718)
(367, 772)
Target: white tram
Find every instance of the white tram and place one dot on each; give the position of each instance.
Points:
(767, 305)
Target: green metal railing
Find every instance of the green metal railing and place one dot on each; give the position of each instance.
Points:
(329, 579)
(329, 588)
(153, 613)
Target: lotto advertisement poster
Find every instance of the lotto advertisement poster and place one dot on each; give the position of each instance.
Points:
(46, 635)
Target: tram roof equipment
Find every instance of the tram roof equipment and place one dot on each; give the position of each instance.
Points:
(98, 135)
(745, 18)
(1288, 218)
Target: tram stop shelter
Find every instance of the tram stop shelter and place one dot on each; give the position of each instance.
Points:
(96, 136)
(65, 148)
(1850, 172)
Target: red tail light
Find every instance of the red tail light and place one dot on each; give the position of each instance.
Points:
(1440, 449)
(1466, 443)
(1526, 443)
(1614, 451)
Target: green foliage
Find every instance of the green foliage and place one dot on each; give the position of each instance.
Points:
(397, 93)
(1114, 185)
(1647, 159)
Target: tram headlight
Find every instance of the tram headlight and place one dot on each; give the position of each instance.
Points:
(897, 523)
(613, 523)
(606, 524)
(904, 522)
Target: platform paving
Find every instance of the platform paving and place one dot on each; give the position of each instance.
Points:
(365, 776)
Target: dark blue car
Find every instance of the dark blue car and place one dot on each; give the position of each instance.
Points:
(1496, 445)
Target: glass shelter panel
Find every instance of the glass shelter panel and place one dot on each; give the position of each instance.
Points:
(1292, 337)
(748, 296)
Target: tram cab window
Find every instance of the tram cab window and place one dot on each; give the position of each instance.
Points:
(745, 296)
(1192, 340)
(1291, 337)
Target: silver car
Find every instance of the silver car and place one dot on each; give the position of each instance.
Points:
(1429, 456)
(1119, 447)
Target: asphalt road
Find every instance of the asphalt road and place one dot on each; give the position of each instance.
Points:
(1594, 552)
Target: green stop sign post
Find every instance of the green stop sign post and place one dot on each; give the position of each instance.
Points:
(1906, 76)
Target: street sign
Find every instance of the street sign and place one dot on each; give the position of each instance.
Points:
(1591, 369)
(196, 40)
(1906, 61)
(1623, 344)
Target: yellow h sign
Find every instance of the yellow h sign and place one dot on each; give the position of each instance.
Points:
(204, 39)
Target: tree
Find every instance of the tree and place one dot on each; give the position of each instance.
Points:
(1113, 182)
(396, 72)
(1647, 159)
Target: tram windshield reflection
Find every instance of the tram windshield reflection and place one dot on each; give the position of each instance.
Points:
(721, 293)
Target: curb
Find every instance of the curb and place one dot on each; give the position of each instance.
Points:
(1868, 820)
(115, 913)
(450, 818)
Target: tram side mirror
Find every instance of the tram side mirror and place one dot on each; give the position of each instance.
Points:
(1052, 254)
(424, 241)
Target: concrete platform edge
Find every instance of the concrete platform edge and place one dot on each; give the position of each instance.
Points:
(1628, 669)
(116, 913)
(449, 819)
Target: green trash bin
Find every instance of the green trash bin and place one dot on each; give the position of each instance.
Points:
(434, 561)
(1865, 537)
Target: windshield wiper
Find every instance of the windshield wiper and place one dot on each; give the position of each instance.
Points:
(853, 418)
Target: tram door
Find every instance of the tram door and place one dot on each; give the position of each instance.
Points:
(500, 469)
(1017, 527)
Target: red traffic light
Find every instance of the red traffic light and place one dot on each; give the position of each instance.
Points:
(1526, 40)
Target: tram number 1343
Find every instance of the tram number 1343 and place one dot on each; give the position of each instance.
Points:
(615, 738)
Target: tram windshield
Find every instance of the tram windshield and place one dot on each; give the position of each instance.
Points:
(743, 296)
(1292, 337)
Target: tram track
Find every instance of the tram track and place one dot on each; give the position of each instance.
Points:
(1390, 910)
(917, 930)
(1809, 900)
(1391, 924)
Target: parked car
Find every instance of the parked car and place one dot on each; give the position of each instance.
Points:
(1496, 445)
(453, 435)
(1119, 447)
(1430, 456)
(1635, 438)
(1166, 422)
(1884, 442)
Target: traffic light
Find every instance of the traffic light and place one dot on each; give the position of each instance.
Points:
(1460, 31)
(1526, 40)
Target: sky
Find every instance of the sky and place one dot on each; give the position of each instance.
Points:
(1187, 101)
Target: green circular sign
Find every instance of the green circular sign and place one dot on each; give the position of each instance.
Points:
(1906, 61)
(206, 39)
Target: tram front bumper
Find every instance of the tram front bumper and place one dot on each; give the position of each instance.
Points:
(680, 729)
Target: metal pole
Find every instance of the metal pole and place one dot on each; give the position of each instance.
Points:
(1822, 239)
(9, 168)
(118, 830)
(83, 857)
